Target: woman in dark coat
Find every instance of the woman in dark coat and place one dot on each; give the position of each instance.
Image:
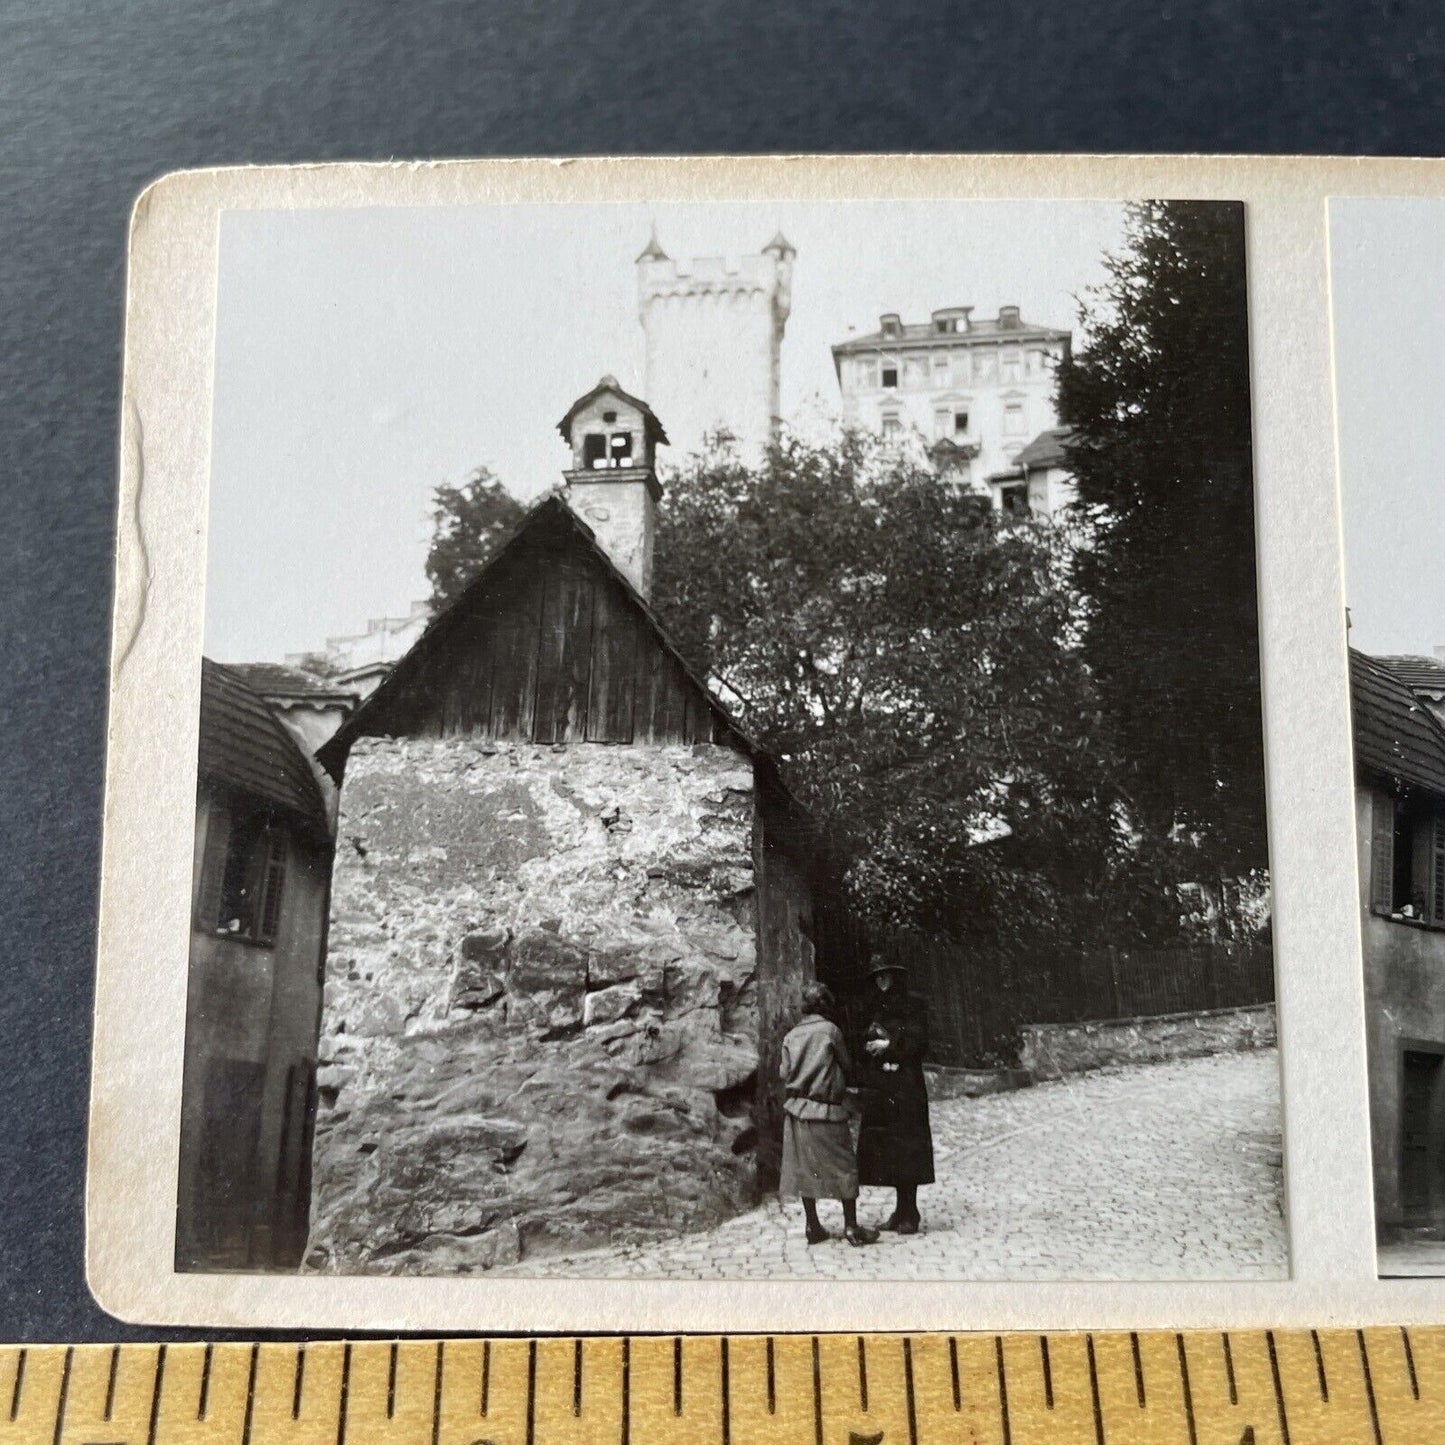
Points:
(895, 1144)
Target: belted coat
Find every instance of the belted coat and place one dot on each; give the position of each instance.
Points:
(895, 1143)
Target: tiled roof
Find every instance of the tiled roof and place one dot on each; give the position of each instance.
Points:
(274, 679)
(987, 329)
(1422, 675)
(244, 746)
(1048, 449)
(1396, 736)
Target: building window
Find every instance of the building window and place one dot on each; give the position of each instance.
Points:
(942, 418)
(594, 450)
(867, 373)
(1407, 861)
(253, 881)
(890, 376)
(1010, 365)
(940, 368)
(985, 367)
(1013, 419)
(620, 448)
(1013, 499)
(892, 426)
(960, 423)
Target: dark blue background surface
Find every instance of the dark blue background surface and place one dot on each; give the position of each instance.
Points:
(96, 100)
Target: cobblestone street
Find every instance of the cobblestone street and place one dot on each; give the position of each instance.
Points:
(1159, 1171)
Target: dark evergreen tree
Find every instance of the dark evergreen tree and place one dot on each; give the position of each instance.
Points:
(1158, 399)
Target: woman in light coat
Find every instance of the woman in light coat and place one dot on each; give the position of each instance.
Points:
(818, 1157)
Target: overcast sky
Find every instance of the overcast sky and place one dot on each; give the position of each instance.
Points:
(366, 356)
(1388, 280)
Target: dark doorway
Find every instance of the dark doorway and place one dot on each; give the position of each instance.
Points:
(1422, 1158)
(219, 1233)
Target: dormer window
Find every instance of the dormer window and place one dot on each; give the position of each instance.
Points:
(1013, 499)
(890, 324)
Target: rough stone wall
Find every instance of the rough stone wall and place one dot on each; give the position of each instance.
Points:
(1048, 1051)
(540, 1026)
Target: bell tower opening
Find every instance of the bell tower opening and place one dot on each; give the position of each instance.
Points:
(612, 482)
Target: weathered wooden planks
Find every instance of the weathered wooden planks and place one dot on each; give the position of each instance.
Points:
(555, 651)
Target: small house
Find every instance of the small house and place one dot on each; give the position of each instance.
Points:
(1400, 822)
(572, 911)
(258, 924)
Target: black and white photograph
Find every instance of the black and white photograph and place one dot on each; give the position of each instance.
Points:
(1388, 260)
(730, 747)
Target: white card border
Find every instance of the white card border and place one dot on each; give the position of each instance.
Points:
(157, 631)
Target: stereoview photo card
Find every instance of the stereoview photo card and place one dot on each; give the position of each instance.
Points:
(713, 737)
(1388, 258)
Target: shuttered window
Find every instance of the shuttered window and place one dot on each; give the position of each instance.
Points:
(1407, 860)
(273, 886)
(1436, 900)
(253, 881)
(1382, 855)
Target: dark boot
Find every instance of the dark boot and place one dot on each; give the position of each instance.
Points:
(905, 1218)
(814, 1232)
(856, 1234)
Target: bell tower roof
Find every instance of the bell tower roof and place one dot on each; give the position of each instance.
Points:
(781, 245)
(609, 386)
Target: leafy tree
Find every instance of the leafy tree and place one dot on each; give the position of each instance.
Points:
(910, 657)
(468, 524)
(1159, 405)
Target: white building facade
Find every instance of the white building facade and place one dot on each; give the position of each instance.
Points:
(714, 335)
(977, 391)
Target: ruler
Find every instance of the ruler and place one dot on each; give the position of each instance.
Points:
(1295, 1387)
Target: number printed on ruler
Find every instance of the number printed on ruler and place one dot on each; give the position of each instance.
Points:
(1295, 1387)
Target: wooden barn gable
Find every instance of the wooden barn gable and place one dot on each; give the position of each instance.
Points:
(548, 644)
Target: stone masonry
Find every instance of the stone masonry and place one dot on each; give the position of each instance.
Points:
(540, 1025)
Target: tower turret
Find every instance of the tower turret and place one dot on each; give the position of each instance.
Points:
(714, 333)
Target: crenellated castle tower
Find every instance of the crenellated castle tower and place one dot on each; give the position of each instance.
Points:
(714, 329)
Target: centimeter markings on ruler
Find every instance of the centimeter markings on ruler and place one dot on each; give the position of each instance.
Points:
(1286, 1387)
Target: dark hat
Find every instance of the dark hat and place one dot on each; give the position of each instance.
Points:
(884, 965)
